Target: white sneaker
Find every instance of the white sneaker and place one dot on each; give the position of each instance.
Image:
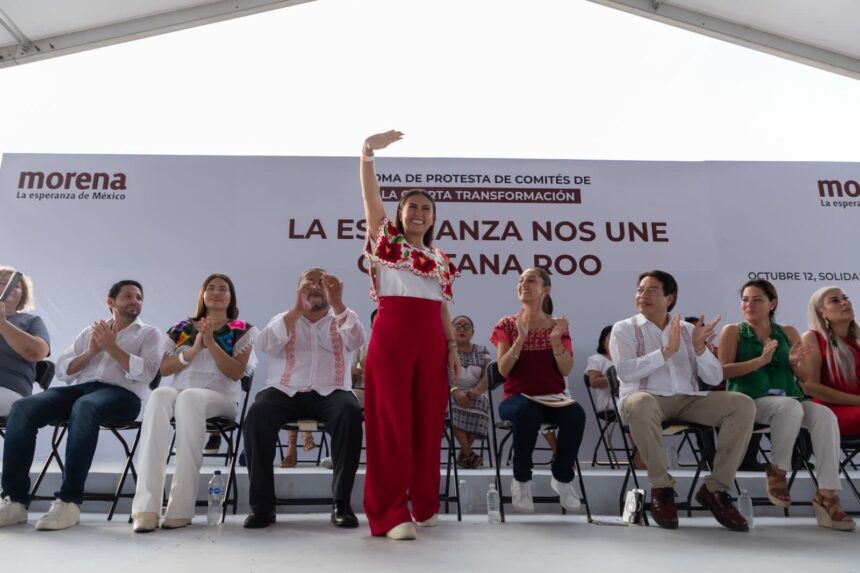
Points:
(327, 463)
(431, 521)
(567, 494)
(12, 512)
(521, 495)
(62, 515)
(405, 530)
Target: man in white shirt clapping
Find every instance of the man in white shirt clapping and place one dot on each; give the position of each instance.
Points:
(108, 368)
(659, 360)
(310, 348)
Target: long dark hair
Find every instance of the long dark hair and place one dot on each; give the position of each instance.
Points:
(601, 348)
(767, 288)
(232, 308)
(547, 301)
(428, 236)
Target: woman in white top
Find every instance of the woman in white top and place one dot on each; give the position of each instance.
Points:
(411, 350)
(207, 356)
(596, 368)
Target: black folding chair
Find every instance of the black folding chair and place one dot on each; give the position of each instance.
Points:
(850, 446)
(228, 428)
(495, 380)
(313, 426)
(670, 428)
(606, 421)
(114, 427)
(44, 376)
(308, 425)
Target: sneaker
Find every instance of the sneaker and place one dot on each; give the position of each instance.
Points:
(62, 515)
(327, 463)
(12, 512)
(521, 496)
(402, 532)
(567, 494)
(431, 521)
(213, 444)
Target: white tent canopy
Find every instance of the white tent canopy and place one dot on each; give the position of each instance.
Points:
(36, 29)
(822, 33)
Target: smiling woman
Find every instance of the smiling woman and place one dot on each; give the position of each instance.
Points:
(406, 380)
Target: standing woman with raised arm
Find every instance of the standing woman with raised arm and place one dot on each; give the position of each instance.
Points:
(411, 351)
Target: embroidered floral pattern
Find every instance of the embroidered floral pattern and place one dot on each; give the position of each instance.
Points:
(506, 331)
(392, 250)
(184, 332)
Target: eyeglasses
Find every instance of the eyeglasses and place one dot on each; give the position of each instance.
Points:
(462, 326)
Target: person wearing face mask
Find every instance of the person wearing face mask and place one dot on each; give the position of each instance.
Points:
(310, 348)
(830, 374)
(108, 368)
(411, 350)
(23, 341)
(207, 355)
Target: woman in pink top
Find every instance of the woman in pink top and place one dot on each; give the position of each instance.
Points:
(411, 351)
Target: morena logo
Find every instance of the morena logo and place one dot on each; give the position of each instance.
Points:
(78, 180)
(835, 188)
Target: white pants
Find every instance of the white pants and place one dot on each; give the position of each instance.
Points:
(7, 396)
(786, 416)
(190, 408)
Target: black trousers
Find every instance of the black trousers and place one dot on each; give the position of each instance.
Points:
(272, 408)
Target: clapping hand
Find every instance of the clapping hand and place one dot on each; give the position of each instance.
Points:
(798, 351)
(559, 328)
(768, 350)
(333, 290)
(674, 341)
(704, 333)
(522, 326)
(103, 335)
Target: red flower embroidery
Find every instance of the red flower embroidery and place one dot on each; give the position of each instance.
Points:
(388, 251)
(422, 263)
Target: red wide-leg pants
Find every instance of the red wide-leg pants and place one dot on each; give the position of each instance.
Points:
(405, 397)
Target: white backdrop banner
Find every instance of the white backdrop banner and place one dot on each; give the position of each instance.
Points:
(78, 223)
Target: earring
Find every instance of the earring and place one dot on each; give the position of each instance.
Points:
(826, 323)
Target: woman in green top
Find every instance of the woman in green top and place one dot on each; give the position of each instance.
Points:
(760, 359)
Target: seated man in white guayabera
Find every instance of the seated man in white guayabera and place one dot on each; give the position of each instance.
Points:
(310, 348)
(108, 368)
(659, 360)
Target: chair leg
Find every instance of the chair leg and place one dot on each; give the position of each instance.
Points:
(129, 466)
(582, 489)
(56, 440)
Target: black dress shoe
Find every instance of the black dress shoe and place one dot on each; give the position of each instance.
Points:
(259, 520)
(342, 515)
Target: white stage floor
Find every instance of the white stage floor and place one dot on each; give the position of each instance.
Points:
(526, 543)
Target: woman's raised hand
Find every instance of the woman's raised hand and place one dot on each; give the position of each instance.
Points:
(559, 328)
(382, 140)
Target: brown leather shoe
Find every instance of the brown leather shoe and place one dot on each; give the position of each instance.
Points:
(663, 508)
(720, 504)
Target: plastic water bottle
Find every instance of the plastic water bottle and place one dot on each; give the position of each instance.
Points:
(745, 507)
(464, 497)
(216, 499)
(493, 504)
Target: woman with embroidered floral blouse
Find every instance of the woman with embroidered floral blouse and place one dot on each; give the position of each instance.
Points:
(207, 355)
(411, 351)
(763, 360)
(534, 354)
